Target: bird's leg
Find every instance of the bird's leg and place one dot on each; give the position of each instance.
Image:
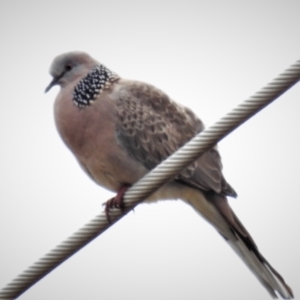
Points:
(116, 202)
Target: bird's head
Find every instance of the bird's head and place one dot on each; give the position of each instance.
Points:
(69, 66)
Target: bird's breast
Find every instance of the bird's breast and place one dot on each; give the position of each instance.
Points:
(90, 133)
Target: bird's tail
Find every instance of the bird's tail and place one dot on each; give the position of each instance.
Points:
(230, 227)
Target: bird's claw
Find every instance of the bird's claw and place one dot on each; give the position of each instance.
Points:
(115, 202)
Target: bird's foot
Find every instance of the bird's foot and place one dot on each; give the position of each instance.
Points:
(116, 202)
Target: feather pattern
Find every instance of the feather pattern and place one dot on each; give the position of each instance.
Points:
(150, 127)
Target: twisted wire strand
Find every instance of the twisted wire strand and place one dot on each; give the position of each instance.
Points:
(164, 172)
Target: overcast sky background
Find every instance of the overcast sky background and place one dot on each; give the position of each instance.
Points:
(208, 55)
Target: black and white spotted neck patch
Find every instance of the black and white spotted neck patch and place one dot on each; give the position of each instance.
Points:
(88, 89)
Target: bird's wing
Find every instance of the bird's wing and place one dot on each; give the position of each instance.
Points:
(151, 127)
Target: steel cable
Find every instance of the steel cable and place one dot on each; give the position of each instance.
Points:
(164, 172)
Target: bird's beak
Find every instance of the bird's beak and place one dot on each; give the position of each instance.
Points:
(54, 82)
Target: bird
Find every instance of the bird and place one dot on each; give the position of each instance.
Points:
(120, 129)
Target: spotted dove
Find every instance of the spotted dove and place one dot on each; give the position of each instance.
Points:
(120, 129)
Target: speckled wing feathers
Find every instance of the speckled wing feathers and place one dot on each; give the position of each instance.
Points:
(151, 127)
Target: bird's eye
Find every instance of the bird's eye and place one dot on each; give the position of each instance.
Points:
(68, 67)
